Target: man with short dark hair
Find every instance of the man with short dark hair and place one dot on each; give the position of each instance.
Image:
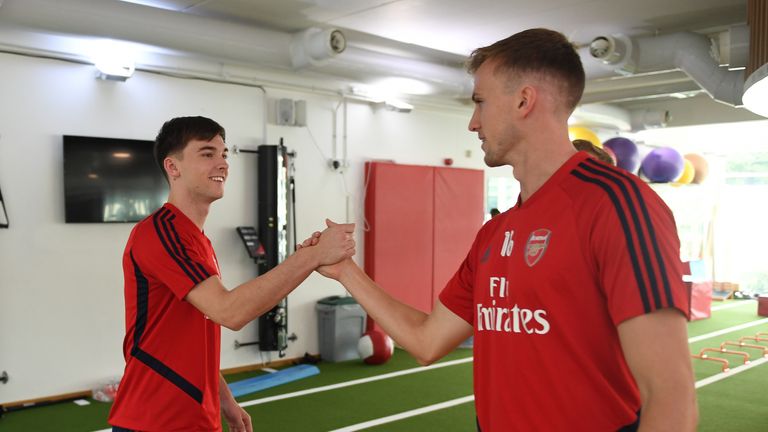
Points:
(574, 296)
(175, 301)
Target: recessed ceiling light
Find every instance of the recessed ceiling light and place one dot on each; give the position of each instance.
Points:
(402, 85)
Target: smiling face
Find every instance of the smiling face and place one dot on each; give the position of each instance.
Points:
(201, 169)
(494, 117)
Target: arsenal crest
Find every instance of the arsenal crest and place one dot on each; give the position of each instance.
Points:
(536, 246)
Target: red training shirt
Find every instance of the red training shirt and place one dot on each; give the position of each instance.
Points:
(545, 286)
(171, 380)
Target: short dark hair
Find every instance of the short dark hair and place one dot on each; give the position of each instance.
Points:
(537, 51)
(593, 150)
(178, 132)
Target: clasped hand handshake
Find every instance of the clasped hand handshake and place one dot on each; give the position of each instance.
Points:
(334, 248)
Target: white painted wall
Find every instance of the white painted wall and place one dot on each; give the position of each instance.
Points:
(61, 293)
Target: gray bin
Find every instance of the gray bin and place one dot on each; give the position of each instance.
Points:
(341, 324)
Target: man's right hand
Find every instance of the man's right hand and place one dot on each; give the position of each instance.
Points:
(335, 243)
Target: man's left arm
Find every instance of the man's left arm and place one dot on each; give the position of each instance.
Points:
(655, 346)
(237, 419)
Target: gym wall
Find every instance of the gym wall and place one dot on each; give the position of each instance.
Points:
(61, 293)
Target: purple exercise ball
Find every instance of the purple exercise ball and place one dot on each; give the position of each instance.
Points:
(627, 154)
(663, 165)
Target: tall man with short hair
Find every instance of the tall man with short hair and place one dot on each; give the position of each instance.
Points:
(575, 295)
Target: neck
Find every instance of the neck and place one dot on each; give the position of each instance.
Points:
(539, 158)
(196, 211)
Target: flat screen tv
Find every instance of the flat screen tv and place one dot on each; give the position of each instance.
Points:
(110, 180)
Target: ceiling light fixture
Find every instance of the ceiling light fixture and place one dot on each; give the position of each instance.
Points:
(114, 61)
(154, 3)
(115, 70)
(366, 93)
(402, 85)
(755, 96)
(398, 105)
(379, 99)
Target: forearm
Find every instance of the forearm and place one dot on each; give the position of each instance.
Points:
(656, 349)
(405, 324)
(255, 297)
(669, 397)
(669, 400)
(669, 409)
(235, 416)
(235, 308)
(225, 395)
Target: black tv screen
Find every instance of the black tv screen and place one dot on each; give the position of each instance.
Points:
(110, 180)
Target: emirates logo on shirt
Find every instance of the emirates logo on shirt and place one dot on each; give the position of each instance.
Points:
(536, 246)
(501, 317)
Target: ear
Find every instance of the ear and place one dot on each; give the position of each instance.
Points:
(527, 98)
(169, 163)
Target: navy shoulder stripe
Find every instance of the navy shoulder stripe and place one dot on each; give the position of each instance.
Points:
(196, 266)
(163, 224)
(639, 279)
(142, 301)
(638, 227)
(651, 239)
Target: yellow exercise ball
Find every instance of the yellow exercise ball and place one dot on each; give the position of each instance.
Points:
(580, 132)
(688, 173)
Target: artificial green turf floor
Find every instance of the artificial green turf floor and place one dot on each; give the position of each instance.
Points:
(738, 403)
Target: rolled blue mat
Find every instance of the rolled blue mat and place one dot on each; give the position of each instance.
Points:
(261, 382)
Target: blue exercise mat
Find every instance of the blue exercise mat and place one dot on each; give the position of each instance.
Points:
(266, 381)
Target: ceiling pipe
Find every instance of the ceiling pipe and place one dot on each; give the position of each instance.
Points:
(455, 81)
(640, 87)
(617, 118)
(601, 115)
(153, 26)
(689, 52)
(314, 46)
(322, 52)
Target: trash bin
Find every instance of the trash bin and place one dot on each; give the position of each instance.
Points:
(341, 324)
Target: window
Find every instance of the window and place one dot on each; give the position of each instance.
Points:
(741, 231)
(502, 194)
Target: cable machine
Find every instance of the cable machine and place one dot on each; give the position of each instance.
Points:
(277, 231)
(273, 240)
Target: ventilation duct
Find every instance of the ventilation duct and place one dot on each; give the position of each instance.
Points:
(152, 26)
(614, 117)
(314, 46)
(689, 52)
(325, 52)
